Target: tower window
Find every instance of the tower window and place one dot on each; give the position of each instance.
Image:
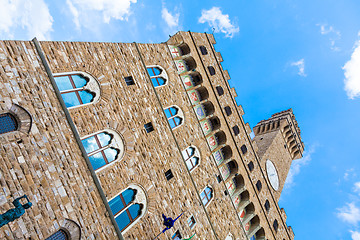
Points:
(191, 222)
(174, 116)
(75, 88)
(228, 111)
(157, 75)
(169, 175)
(191, 156)
(243, 149)
(267, 205)
(219, 90)
(275, 225)
(211, 70)
(127, 208)
(251, 166)
(218, 178)
(206, 195)
(236, 130)
(203, 50)
(258, 185)
(103, 148)
(8, 123)
(177, 235)
(129, 80)
(59, 235)
(149, 127)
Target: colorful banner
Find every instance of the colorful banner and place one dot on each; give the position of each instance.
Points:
(194, 97)
(212, 141)
(219, 157)
(237, 201)
(225, 171)
(200, 111)
(175, 51)
(206, 127)
(181, 66)
(242, 214)
(231, 186)
(247, 227)
(188, 82)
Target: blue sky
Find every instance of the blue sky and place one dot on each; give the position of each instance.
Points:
(280, 54)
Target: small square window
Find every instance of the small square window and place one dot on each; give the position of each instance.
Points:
(219, 90)
(211, 70)
(169, 175)
(251, 166)
(149, 127)
(203, 50)
(228, 111)
(243, 149)
(219, 179)
(177, 235)
(236, 130)
(226, 192)
(129, 80)
(191, 222)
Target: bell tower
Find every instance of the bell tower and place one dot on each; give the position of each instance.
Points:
(279, 142)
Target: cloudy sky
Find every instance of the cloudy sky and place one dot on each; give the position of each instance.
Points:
(280, 54)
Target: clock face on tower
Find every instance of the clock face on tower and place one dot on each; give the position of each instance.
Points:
(272, 174)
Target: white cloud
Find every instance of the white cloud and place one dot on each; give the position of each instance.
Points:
(221, 22)
(349, 213)
(32, 16)
(355, 235)
(171, 20)
(108, 9)
(357, 187)
(332, 33)
(301, 65)
(296, 166)
(352, 73)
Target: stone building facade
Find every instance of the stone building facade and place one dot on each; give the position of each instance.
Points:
(104, 138)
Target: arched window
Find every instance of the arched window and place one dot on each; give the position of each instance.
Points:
(267, 205)
(174, 116)
(8, 123)
(158, 75)
(206, 195)
(258, 185)
(59, 235)
(191, 156)
(275, 225)
(103, 148)
(128, 206)
(77, 88)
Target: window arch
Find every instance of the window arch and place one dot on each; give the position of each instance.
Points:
(103, 148)
(158, 75)
(174, 115)
(8, 123)
(69, 230)
(128, 207)
(77, 88)
(206, 195)
(191, 156)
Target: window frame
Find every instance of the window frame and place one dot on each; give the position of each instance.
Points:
(93, 86)
(117, 142)
(141, 200)
(162, 75)
(14, 121)
(178, 114)
(206, 196)
(188, 157)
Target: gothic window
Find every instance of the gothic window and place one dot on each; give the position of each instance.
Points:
(59, 235)
(128, 206)
(191, 222)
(174, 116)
(158, 75)
(8, 123)
(103, 148)
(191, 156)
(77, 88)
(206, 195)
(177, 235)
